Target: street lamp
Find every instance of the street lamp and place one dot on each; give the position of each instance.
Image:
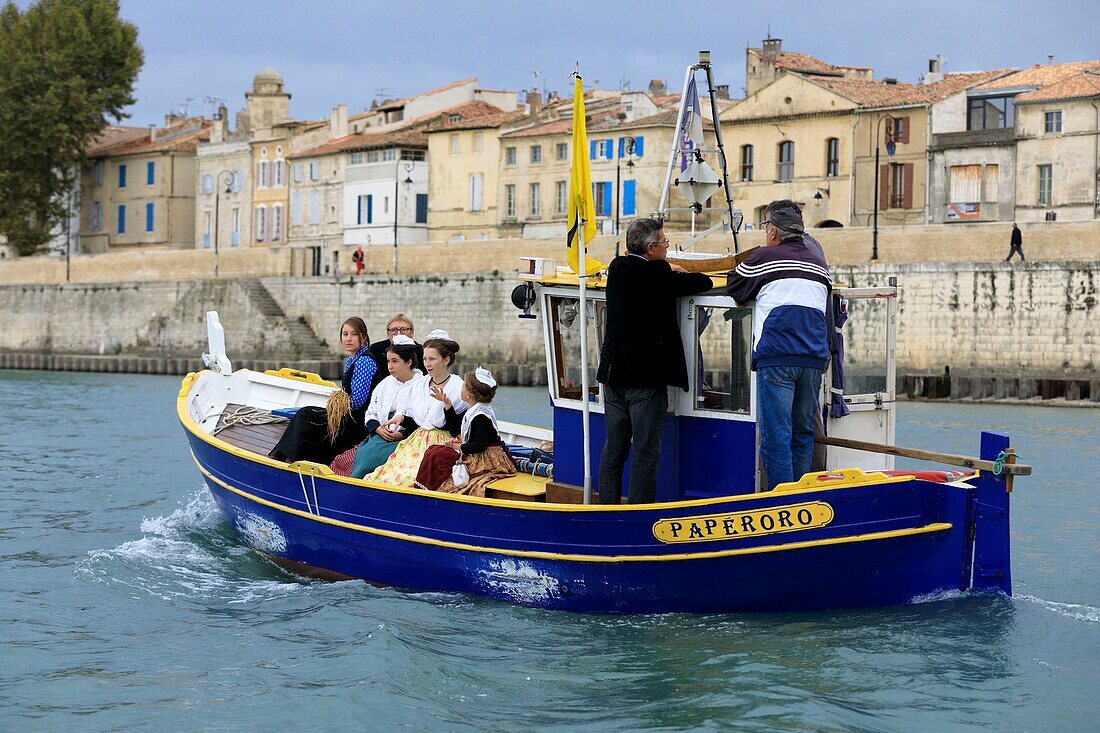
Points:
(217, 201)
(628, 143)
(890, 147)
(408, 185)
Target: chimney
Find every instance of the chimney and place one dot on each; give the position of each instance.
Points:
(152, 133)
(934, 65)
(722, 91)
(890, 81)
(223, 113)
(338, 122)
(244, 122)
(1050, 58)
(217, 132)
(772, 48)
(657, 88)
(534, 101)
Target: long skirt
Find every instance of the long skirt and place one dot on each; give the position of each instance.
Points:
(306, 437)
(436, 466)
(401, 467)
(491, 464)
(371, 454)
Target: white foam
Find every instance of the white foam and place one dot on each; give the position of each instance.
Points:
(201, 511)
(946, 594)
(518, 581)
(1077, 611)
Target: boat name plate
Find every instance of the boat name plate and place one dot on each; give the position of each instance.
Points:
(749, 523)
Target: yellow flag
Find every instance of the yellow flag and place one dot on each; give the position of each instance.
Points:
(581, 218)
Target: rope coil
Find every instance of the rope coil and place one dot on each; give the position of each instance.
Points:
(999, 462)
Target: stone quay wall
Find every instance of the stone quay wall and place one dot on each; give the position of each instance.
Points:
(966, 330)
(950, 243)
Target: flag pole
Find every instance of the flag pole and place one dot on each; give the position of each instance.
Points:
(583, 277)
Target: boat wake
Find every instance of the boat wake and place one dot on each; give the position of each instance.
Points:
(1076, 611)
(188, 554)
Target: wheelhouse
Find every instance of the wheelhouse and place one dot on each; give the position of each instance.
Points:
(709, 445)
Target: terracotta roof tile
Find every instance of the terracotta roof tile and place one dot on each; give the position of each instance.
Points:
(881, 94)
(477, 122)
(113, 135)
(404, 137)
(182, 137)
(1081, 85)
(554, 127)
(801, 62)
(1041, 75)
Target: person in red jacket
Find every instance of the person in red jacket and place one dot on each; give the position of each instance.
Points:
(642, 355)
(357, 258)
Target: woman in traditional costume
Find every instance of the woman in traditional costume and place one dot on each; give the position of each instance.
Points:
(319, 434)
(429, 414)
(478, 447)
(401, 355)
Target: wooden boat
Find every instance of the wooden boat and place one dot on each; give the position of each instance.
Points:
(854, 534)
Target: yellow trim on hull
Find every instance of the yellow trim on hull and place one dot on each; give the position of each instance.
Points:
(935, 527)
(192, 427)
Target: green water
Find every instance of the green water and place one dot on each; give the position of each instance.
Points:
(127, 604)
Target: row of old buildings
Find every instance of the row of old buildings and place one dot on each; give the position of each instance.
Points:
(461, 162)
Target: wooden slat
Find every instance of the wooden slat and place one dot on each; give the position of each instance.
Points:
(1008, 469)
(711, 264)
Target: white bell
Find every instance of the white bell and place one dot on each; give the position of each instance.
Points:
(698, 181)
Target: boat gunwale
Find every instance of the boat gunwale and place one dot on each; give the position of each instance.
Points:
(192, 427)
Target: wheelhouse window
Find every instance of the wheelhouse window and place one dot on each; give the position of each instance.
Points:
(786, 161)
(566, 344)
(723, 355)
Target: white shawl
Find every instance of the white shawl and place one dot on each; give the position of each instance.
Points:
(383, 400)
(478, 408)
(425, 410)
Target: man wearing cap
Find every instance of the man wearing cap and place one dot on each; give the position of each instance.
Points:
(788, 283)
(642, 355)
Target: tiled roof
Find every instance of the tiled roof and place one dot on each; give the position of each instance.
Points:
(1081, 85)
(1041, 75)
(801, 63)
(664, 118)
(113, 135)
(554, 127)
(882, 94)
(403, 137)
(477, 122)
(396, 103)
(182, 137)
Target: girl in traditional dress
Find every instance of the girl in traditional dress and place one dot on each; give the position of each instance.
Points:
(401, 355)
(429, 414)
(319, 434)
(479, 446)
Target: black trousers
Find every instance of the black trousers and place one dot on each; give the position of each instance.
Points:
(632, 416)
(1016, 249)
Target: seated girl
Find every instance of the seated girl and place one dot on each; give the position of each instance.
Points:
(319, 434)
(479, 446)
(429, 414)
(383, 436)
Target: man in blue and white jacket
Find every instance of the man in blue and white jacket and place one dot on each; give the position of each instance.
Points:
(788, 283)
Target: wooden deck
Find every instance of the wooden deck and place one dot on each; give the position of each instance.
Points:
(258, 439)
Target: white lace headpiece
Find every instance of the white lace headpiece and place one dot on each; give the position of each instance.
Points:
(485, 376)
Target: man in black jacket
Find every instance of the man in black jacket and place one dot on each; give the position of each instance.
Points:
(642, 354)
(1016, 244)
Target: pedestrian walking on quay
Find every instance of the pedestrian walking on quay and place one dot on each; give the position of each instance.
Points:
(357, 258)
(1017, 244)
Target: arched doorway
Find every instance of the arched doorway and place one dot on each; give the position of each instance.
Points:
(828, 223)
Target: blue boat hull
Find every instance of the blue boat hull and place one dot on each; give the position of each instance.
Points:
(868, 544)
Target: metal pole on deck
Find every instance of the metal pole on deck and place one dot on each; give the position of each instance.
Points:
(583, 277)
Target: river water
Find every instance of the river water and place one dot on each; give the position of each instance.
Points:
(127, 604)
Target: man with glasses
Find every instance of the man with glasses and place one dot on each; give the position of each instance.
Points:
(642, 355)
(398, 325)
(788, 282)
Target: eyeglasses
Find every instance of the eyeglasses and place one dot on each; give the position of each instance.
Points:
(399, 329)
(765, 223)
(661, 241)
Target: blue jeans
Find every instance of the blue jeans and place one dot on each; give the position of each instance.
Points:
(786, 403)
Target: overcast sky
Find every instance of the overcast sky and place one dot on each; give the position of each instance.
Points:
(345, 51)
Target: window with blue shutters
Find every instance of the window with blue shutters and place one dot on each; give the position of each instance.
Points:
(639, 146)
(365, 210)
(122, 176)
(122, 218)
(150, 173)
(628, 197)
(608, 148)
(148, 217)
(421, 208)
(601, 197)
(607, 187)
(591, 149)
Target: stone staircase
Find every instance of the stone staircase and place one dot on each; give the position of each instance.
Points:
(304, 344)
